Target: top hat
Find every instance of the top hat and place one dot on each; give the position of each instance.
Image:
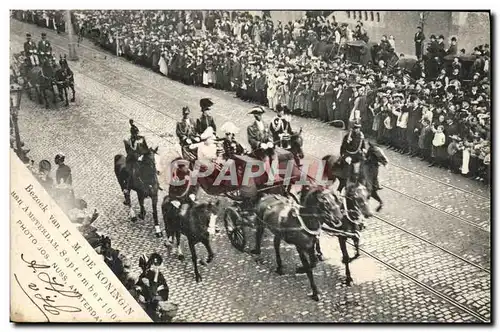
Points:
(28, 35)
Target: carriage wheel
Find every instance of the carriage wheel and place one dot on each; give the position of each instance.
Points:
(234, 195)
(234, 230)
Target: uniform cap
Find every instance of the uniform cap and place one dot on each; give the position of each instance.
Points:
(257, 110)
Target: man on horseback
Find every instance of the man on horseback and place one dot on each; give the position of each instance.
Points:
(186, 132)
(205, 120)
(280, 128)
(353, 150)
(31, 52)
(67, 77)
(44, 47)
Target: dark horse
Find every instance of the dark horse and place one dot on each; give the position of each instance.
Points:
(336, 168)
(193, 223)
(141, 177)
(297, 225)
(296, 143)
(42, 79)
(65, 80)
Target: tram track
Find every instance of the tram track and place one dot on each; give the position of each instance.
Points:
(105, 54)
(375, 257)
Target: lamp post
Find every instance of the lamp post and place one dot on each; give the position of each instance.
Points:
(15, 103)
(71, 44)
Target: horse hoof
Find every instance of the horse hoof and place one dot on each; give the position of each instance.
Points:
(255, 252)
(379, 208)
(315, 297)
(67, 104)
(72, 100)
(210, 259)
(126, 203)
(300, 270)
(198, 278)
(134, 219)
(348, 282)
(159, 235)
(279, 270)
(180, 257)
(141, 216)
(202, 262)
(320, 257)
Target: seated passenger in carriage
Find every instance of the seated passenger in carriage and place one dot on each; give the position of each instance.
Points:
(259, 137)
(30, 50)
(207, 150)
(230, 145)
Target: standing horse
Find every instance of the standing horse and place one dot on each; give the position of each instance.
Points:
(194, 224)
(141, 177)
(300, 227)
(42, 79)
(336, 168)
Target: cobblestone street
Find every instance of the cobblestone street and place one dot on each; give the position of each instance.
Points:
(426, 255)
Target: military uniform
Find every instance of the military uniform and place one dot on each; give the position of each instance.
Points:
(258, 133)
(281, 131)
(353, 146)
(31, 51)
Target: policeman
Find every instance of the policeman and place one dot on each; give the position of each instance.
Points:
(63, 172)
(44, 47)
(205, 120)
(353, 149)
(280, 129)
(30, 51)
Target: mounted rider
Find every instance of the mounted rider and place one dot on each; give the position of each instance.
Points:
(44, 48)
(230, 145)
(186, 132)
(280, 128)
(353, 149)
(31, 51)
(205, 120)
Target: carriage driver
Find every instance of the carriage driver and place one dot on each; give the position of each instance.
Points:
(353, 149)
(186, 132)
(31, 52)
(44, 47)
(280, 128)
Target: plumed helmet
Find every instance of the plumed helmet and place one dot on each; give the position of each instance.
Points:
(133, 128)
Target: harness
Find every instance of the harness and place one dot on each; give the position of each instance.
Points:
(349, 139)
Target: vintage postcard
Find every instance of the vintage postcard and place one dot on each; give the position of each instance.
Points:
(196, 166)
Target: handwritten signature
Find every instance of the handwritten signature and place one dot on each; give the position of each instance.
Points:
(47, 303)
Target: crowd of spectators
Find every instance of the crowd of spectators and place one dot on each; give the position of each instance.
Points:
(436, 108)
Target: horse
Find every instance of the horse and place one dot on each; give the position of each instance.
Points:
(193, 223)
(298, 226)
(141, 177)
(296, 143)
(64, 80)
(335, 168)
(42, 79)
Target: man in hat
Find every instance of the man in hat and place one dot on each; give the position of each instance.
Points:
(205, 120)
(280, 128)
(230, 145)
(44, 47)
(63, 172)
(419, 40)
(30, 51)
(353, 149)
(186, 132)
(259, 136)
(453, 49)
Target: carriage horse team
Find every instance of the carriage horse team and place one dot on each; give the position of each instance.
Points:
(40, 74)
(296, 218)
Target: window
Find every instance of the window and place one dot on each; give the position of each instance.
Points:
(360, 15)
(348, 14)
(378, 17)
(366, 15)
(371, 16)
(354, 15)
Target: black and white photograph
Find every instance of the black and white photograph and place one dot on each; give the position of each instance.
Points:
(253, 166)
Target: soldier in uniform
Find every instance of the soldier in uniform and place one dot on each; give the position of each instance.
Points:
(230, 145)
(280, 129)
(44, 47)
(353, 149)
(31, 51)
(186, 132)
(205, 120)
(259, 136)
